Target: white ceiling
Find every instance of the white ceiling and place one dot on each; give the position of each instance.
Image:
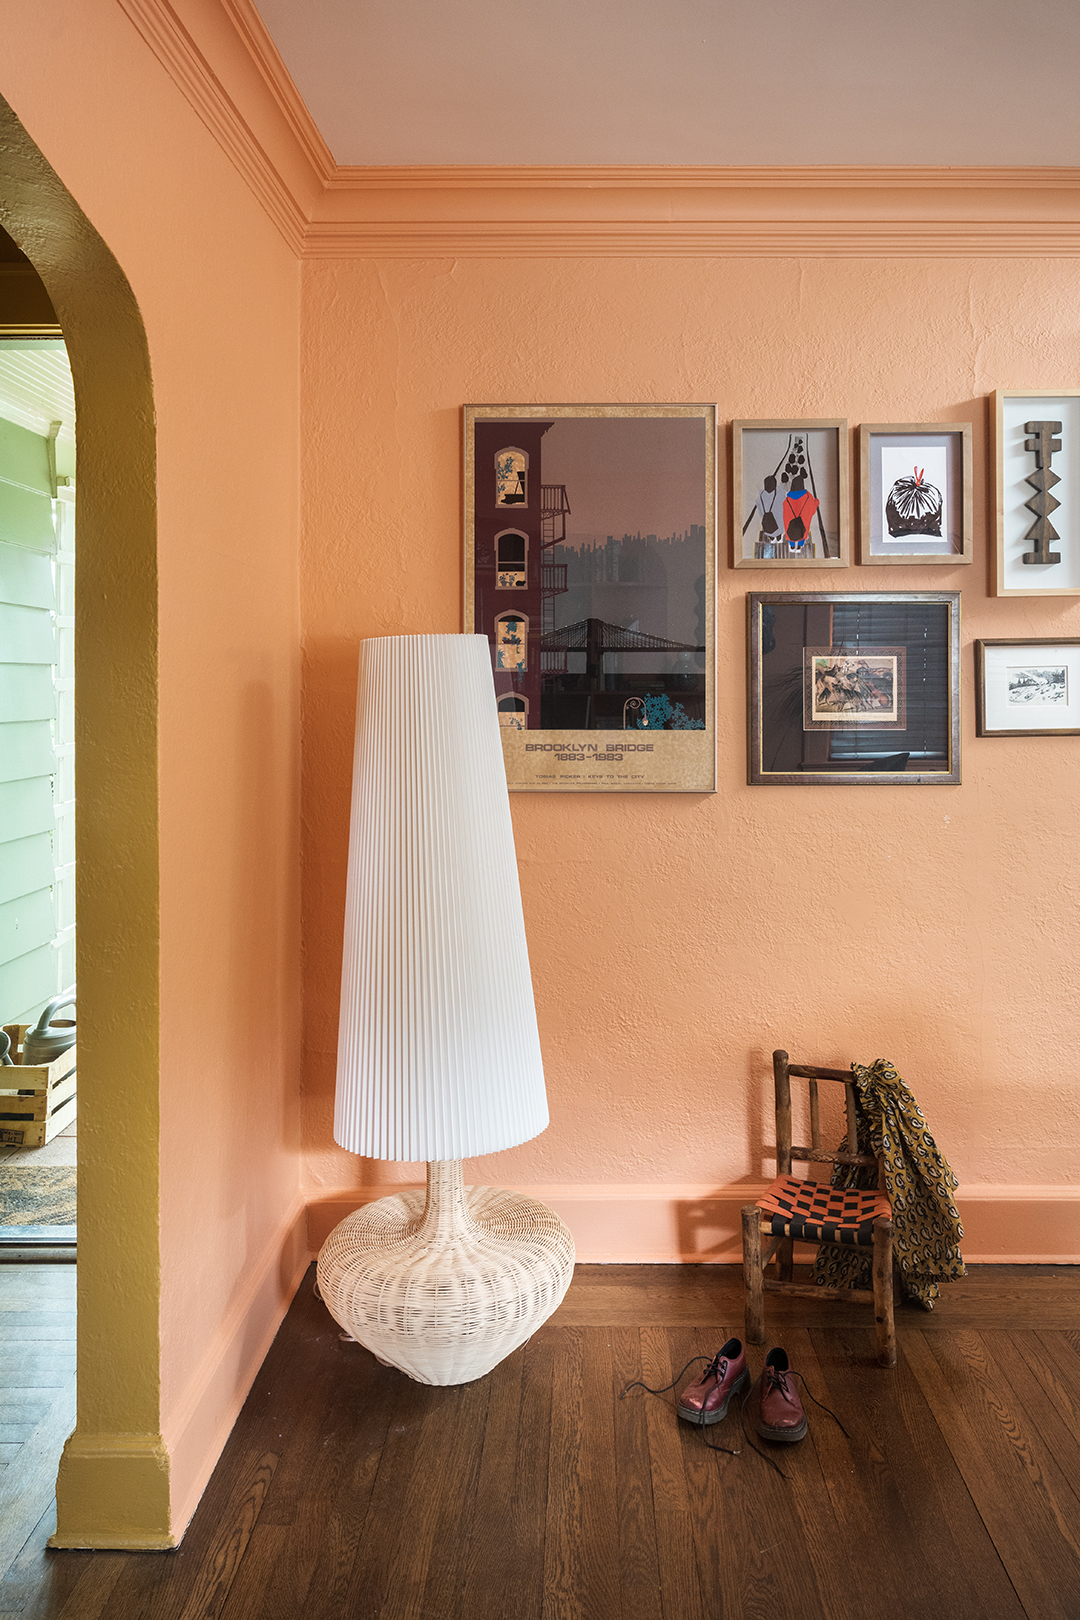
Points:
(36, 387)
(983, 82)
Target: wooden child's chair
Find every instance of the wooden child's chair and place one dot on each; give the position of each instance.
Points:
(815, 1212)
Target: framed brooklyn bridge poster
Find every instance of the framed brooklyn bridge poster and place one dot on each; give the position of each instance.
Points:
(590, 547)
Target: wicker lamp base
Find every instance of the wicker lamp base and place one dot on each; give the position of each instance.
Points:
(445, 1285)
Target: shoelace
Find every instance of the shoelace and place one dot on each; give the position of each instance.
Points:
(717, 1365)
(777, 1378)
(776, 1375)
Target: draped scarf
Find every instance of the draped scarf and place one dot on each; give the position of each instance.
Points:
(920, 1185)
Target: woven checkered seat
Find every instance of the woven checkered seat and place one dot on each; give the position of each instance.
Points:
(793, 1210)
(814, 1212)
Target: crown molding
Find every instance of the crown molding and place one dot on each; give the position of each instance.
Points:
(648, 176)
(264, 53)
(689, 239)
(175, 48)
(325, 211)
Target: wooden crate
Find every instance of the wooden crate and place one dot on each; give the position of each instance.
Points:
(36, 1103)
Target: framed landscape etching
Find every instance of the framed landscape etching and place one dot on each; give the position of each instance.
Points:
(915, 492)
(590, 550)
(1036, 438)
(1027, 688)
(854, 687)
(789, 494)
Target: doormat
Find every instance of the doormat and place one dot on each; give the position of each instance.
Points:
(32, 1195)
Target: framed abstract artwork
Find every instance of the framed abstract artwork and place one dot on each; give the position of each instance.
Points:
(1036, 438)
(1027, 688)
(590, 554)
(853, 688)
(789, 494)
(915, 492)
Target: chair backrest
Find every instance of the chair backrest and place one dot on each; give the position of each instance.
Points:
(814, 1151)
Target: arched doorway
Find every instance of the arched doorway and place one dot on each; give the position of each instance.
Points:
(115, 1467)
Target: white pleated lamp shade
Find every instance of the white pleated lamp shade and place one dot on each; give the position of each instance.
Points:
(438, 1049)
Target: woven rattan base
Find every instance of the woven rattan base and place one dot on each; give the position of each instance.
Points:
(444, 1285)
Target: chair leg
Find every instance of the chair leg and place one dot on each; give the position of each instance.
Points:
(883, 1292)
(785, 1259)
(754, 1327)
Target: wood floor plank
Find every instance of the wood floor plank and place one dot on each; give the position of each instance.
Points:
(504, 1570)
(366, 1414)
(1054, 1363)
(680, 1591)
(451, 1488)
(210, 1590)
(539, 1494)
(639, 1568)
(255, 1593)
(1022, 1496)
(931, 1547)
(36, 1326)
(27, 1490)
(750, 1546)
(670, 1296)
(37, 1582)
(581, 1575)
(387, 1578)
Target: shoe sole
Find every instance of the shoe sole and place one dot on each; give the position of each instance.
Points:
(690, 1414)
(782, 1434)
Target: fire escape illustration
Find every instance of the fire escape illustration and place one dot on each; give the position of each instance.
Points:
(554, 509)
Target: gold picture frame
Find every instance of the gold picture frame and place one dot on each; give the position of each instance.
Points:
(590, 566)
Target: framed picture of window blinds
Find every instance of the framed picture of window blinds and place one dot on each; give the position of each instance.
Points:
(854, 688)
(789, 494)
(590, 552)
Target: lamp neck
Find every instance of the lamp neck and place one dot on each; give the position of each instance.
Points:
(446, 1214)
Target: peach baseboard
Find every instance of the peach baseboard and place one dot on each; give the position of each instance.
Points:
(667, 1224)
(196, 1430)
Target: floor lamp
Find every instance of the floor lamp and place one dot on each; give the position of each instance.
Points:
(438, 1050)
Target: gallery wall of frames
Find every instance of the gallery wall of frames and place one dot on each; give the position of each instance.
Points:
(591, 543)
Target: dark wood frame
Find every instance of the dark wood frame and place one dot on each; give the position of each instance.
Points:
(981, 727)
(757, 777)
(834, 424)
(868, 432)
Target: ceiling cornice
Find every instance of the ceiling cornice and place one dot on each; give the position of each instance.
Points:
(621, 177)
(488, 211)
(264, 53)
(164, 32)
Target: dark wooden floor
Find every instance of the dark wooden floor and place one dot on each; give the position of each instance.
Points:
(540, 1494)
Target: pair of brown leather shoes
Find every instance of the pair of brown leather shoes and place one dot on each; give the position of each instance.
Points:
(705, 1401)
(781, 1416)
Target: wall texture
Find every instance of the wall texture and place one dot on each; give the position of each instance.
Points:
(676, 941)
(217, 288)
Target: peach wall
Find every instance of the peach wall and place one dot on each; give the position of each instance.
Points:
(676, 941)
(218, 289)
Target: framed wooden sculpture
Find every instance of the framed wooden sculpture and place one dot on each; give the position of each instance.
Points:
(1036, 437)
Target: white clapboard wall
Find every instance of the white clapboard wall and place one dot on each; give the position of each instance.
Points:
(37, 790)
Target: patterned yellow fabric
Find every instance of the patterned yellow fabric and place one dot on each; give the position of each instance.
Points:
(920, 1185)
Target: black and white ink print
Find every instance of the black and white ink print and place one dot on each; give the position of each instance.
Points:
(1035, 685)
(914, 507)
